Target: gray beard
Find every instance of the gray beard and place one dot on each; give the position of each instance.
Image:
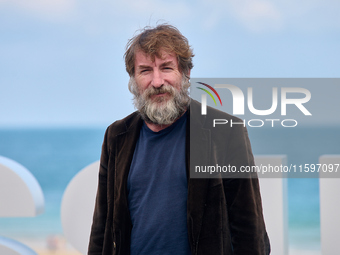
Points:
(161, 111)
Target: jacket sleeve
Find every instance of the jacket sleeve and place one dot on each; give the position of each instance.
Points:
(247, 227)
(100, 211)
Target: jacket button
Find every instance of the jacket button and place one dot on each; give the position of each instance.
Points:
(114, 245)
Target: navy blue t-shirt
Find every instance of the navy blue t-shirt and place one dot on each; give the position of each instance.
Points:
(157, 192)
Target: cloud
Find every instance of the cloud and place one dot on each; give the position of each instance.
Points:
(53, 10)
(310, 15)
(254, 15)
(260, 16)
(151, 12)
(175, 9)
(257, 15)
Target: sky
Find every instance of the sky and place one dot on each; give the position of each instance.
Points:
(61, 61)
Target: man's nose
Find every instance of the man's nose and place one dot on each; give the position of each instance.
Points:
(157, 79)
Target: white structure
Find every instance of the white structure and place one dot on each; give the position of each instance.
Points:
(20, 192)
(275, 204)
(12, 247)
(79, 198)
(20, 196)
(329, 207)
(77, 207)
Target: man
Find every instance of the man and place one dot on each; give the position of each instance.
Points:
(146, 201)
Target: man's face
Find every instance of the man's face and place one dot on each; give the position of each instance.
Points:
(160, 90)
(160, 72)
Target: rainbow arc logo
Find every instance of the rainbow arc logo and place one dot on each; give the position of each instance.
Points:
(209, 93)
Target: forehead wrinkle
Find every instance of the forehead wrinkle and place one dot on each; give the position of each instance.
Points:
(168, 63)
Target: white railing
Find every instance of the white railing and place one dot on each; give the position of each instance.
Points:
(329, 208)
(275, 204)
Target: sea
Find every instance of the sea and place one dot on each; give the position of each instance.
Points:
(55, 155)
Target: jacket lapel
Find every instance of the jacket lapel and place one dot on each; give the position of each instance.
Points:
(197, 188)
(125, 147)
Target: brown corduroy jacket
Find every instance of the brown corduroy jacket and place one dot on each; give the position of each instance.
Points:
(224, 215)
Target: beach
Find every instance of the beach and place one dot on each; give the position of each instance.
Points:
(56, 245)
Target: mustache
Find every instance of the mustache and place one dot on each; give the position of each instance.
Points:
(161, 90)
